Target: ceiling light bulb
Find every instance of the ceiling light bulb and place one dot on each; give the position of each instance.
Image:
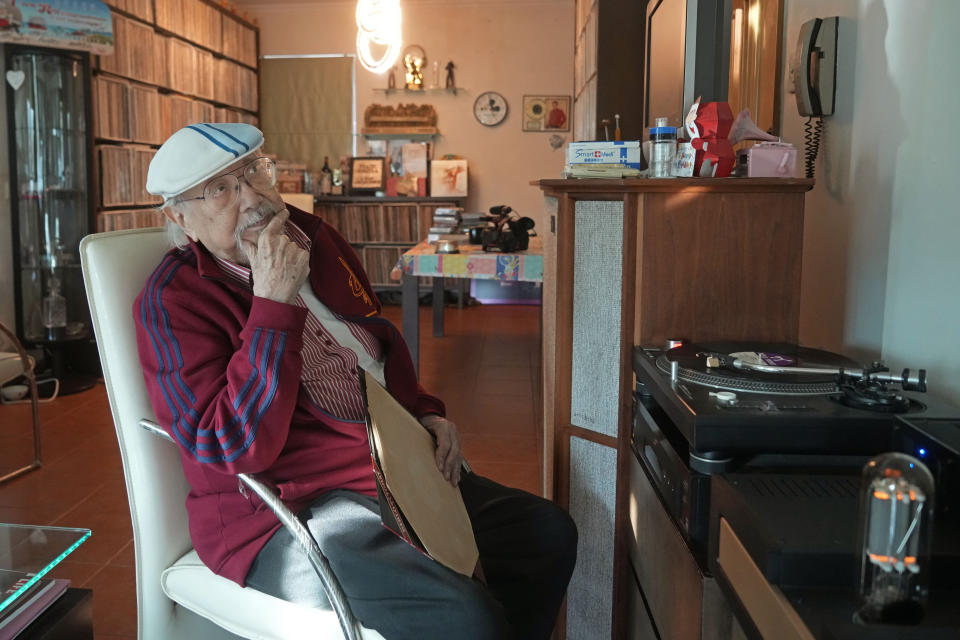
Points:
(378, 23)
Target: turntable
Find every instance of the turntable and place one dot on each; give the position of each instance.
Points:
(776, 414)
(727, 399)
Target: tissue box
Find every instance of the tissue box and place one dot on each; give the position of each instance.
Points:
(623, 152)
(771, 160)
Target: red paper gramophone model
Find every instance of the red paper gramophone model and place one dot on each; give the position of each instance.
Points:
(713, 131)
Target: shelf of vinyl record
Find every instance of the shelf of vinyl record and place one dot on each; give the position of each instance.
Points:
(126, 111)
(148, 66)
(381, 232)
(122, 171)
(202, 22)
(175, 62)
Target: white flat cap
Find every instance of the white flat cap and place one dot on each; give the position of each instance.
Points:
(198, 152)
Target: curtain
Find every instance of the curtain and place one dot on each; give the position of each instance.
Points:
(306, 109)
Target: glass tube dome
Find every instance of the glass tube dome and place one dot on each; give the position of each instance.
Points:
(896, 522)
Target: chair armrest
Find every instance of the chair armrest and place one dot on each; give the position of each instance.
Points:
(301, 534)
(25, 359)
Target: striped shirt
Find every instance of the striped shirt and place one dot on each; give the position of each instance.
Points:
(332, 347)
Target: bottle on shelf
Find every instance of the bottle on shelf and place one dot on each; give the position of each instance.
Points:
(337, 182)
(54, 311)
(663, 146)
(326, 178)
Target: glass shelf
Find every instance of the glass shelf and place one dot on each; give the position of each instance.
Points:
(27, 553)
(415, 137)
(437, 91)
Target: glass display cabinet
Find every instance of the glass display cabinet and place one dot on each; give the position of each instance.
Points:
(48, 105)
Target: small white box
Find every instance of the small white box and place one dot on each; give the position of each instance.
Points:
(624, 152)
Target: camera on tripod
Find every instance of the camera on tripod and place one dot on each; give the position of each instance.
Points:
(506, 231)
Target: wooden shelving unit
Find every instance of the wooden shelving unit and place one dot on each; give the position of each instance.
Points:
(381, 229)
(175, 62)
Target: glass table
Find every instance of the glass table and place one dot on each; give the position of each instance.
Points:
(28, 553)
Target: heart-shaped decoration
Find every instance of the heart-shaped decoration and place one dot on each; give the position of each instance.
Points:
(15, 78)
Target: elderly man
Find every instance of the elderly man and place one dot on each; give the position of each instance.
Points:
(250, 333)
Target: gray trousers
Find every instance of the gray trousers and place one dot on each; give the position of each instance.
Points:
(527, 549)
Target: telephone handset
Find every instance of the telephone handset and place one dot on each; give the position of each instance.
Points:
(814, 68)
(814, 75)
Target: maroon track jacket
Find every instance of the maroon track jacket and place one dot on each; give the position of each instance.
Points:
(222, 369)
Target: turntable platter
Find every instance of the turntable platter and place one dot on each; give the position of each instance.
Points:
(693, 368)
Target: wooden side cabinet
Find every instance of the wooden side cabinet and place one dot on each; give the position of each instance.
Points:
(634, 262)
(70, 617)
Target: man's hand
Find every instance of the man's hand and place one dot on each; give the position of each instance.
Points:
(448, 446)
(278, 265)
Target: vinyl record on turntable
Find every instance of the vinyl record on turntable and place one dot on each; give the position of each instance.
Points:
(709, 364)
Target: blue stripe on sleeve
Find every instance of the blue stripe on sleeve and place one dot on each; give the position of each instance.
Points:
(261, 369)
(268, 400)
(150, 327)
(184, 416)
(245, 389)
(178, 396)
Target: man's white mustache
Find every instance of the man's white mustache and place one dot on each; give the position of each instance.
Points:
(257, 216)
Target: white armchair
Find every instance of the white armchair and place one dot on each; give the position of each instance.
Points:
(177, 596)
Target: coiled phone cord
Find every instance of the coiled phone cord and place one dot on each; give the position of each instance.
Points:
(811, 141)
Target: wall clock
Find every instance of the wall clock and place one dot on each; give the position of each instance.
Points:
(490, 108)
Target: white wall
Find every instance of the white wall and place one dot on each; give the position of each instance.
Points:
(882, 238)
(514, 47)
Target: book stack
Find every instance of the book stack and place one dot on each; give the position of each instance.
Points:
(29, 603)
(446, 222)
(609, 159)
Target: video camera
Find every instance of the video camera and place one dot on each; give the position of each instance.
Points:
(506, 231)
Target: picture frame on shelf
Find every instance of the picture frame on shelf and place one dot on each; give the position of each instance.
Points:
(546, 113)
(448, 179)
(372, 148)
(367, 175)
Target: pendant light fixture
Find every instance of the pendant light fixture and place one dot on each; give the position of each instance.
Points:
(378, 34)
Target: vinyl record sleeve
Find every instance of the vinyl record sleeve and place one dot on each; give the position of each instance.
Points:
(416, 502)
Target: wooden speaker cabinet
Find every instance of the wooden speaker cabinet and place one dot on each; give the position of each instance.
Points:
(634, 262)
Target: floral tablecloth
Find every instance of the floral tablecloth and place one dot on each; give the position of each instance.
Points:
(473, 262)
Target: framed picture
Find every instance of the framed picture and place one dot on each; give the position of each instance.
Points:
(546, 113)
(448, 178)
(367, 175)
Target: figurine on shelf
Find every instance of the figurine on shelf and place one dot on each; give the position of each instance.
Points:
(392, 79)
(708, 125)
(413, 59)
(451, 83)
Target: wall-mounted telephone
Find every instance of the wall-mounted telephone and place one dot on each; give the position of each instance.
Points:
(814, 75)
(814, 69)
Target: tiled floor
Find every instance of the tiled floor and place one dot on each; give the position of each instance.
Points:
(486, 369)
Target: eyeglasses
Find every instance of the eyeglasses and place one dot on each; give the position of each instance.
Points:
(221, 192)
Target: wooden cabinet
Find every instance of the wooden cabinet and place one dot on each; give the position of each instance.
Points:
(633, 262)
(175, 62)
(381, 229)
